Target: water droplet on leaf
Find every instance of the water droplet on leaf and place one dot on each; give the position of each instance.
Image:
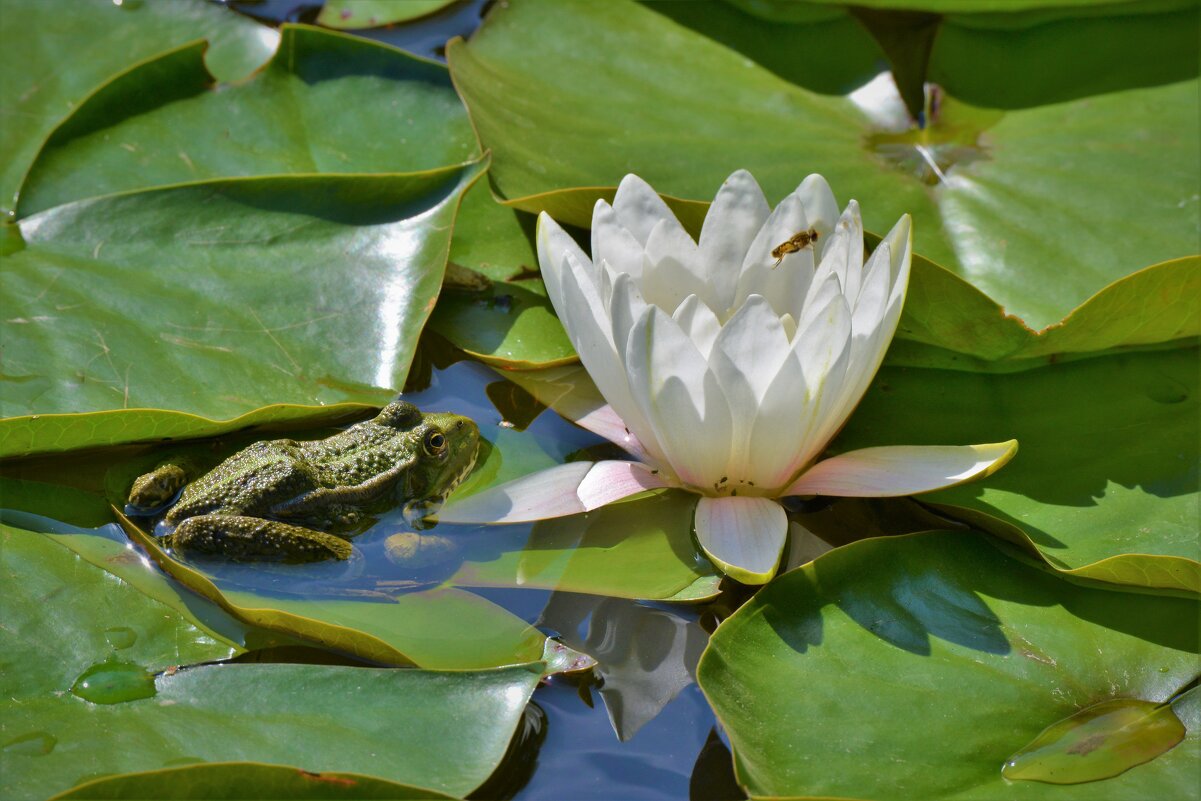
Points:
(114, 682)
(37, 743)
(120, 637)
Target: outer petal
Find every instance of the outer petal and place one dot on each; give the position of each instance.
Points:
(565, 489)
(896, 470)
(612, 480)
(604, 421)
(733, 221)
(553, 244)
(743, 536)
(549, 493)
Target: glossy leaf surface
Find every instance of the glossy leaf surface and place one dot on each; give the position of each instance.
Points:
(1123, 162)
(141, 129)
(942, 657)
(99, 39)
(219, 299)
(1105, 482)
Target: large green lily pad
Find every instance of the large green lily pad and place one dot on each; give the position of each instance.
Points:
(999, 55)
(941, 658)
(1105, 484)
(58, 52)
(315, 108)
(60, 614)
(221, 298)
(1097, 188)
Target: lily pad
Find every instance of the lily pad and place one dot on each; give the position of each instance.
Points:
(223, 779)
(221, 298)
(999, 55)
(295, 116)
(942, 658)
(1105, 485)
(439, 628)
(59, 625)
(949, 323)
(998, 215)
(352, 14)
(638, 549)
(58, 52)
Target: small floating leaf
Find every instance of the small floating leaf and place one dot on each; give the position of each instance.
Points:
(1097, 742)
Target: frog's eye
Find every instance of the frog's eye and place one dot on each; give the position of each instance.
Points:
(434, 442)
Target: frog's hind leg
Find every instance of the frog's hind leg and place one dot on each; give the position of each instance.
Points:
(253, 539)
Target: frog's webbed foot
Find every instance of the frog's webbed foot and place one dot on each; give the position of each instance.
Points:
(253, 539)
(154, 490)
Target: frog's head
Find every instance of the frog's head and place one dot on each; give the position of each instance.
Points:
(446, 446)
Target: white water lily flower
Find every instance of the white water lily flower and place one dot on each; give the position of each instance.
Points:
(727, 369)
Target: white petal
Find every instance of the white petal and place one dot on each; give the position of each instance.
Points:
(896, 470)
(745, 358)
(823, 351)
(612, 480)
(553, 245)
(777, 436)
(673, 269)
(549, 493)
(743, 536)
(851, 226)
(590, 333)
(639, 208)
(698, 322)
(785, 284)
(613, 243)
(733, 221)
(679, 395)
(753, 345)
(820, 206)
(625, 307)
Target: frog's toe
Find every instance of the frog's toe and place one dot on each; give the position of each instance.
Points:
(252, 539)
(415, 550)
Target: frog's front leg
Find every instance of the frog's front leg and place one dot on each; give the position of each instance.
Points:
(154, 490)
(253, 539)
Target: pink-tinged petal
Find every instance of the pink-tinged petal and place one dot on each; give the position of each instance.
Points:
(566, 489)
(896, 470)
(604, 421)
(639, 208)
(743, 536)
(549, 493)
(611, 481)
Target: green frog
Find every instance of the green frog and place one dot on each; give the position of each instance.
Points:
(290, 501)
